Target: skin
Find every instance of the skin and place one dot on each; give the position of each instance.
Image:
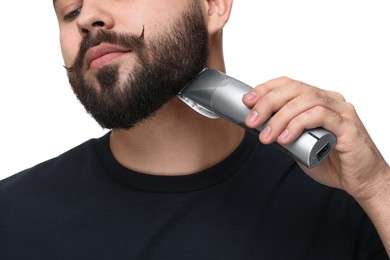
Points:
(160, 145)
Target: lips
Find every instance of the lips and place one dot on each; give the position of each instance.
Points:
(98, 56)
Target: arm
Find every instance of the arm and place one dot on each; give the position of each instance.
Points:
(355, 165)
(377, 208)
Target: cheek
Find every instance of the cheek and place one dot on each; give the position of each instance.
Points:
(69, 48)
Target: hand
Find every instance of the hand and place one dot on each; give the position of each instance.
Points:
(355, 164)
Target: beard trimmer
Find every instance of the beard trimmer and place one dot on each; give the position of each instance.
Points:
(217, 95)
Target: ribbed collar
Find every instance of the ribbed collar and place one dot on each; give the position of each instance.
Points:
(174, 184)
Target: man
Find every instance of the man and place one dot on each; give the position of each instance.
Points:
(167, 183)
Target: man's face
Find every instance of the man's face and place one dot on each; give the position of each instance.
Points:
(122, 76)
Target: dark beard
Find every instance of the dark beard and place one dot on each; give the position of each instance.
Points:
(166, 64)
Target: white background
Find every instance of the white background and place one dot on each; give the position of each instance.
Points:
(342, 45)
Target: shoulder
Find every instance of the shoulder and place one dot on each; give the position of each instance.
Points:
(48, 171)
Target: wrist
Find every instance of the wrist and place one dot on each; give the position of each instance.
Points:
(373, 184)
(377, 207)
(377, 193)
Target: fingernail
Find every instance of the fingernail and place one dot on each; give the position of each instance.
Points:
(285, 134)
(250, 96)
(253, 116)
(266, 132)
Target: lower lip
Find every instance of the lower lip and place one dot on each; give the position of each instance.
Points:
(105, 59)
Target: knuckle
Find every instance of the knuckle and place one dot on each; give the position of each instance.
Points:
(301, 120)
(337, 95)
(262, 88)
(350, 107)
(292, 106)
(321, 111)
(284, 80)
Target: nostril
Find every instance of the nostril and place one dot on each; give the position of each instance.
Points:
(98, 24)
(90, 24)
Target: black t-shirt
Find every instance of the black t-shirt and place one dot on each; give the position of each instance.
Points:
(256, 204)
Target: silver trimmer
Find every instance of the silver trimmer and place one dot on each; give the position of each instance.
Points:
(215, 94)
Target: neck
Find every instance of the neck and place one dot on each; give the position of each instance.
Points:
(175, 141)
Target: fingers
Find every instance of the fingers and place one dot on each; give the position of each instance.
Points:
(295, 106)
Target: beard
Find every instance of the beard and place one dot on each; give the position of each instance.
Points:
(164, 65)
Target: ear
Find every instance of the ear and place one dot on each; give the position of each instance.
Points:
(217, 14)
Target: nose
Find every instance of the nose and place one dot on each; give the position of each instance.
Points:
(93, 17)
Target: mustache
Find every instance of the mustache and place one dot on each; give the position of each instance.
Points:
(126, 40)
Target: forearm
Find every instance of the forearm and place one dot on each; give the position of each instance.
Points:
(378, 209)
